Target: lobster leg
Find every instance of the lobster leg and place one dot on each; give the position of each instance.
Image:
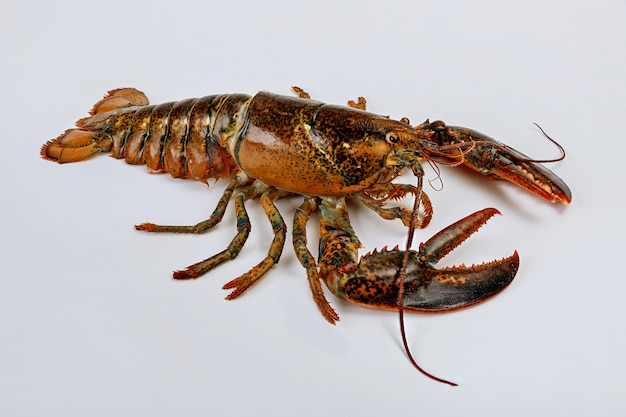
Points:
(245, 281)
(201, 227)
(248, 279)
(233, 249)
(373, 281)
(303, 213)
(397, 191)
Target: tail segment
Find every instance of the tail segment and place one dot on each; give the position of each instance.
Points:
(77, 144)
(118, 98)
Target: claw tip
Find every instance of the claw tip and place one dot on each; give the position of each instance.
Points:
(492, 211)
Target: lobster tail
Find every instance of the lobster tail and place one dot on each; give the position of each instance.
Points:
(183, 138)
(77, 144)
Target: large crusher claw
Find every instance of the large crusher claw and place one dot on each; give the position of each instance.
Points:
(373, 282)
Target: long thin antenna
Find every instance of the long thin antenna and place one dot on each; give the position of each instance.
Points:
(401, 279)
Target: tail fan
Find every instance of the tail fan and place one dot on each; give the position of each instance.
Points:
(77, 144)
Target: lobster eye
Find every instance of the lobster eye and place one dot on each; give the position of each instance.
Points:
(393, 137)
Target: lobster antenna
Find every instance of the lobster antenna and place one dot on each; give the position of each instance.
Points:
(560, 158)
(401, 279)
(437, 178)
(506, 149)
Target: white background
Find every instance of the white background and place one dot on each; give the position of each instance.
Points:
(91, 322)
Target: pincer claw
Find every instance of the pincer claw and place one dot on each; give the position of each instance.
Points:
(374, 281)
(452, 288)
(497, 160)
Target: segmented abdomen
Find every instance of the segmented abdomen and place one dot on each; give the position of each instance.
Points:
(182, 138)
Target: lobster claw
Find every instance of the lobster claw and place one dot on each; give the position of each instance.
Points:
(429, 289)
(374, 280)
(494, 159)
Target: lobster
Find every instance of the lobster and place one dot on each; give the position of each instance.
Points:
(273, 146)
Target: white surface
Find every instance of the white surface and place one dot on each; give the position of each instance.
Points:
(91, 322)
